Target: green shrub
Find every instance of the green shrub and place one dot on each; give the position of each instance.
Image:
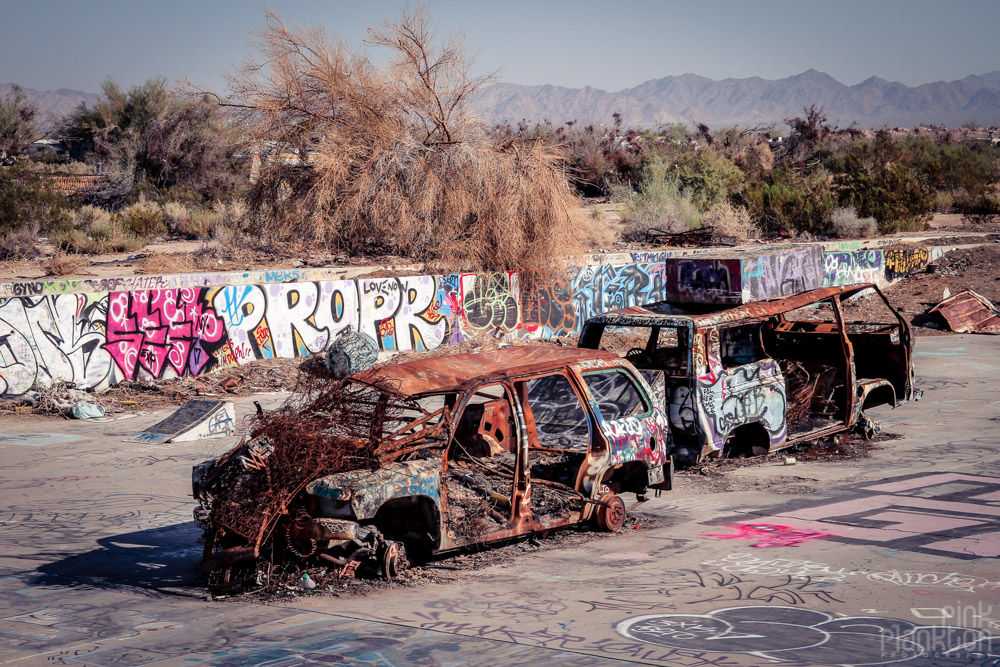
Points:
(183, 193)
(103, 236)
(903, 225)
(984, 208)
(19, 244)
(786, 200)
(201, 224)
(884, 179)
(28, 200)
(943, 201)
(156, 143)
(143, 219)
(707, 176)
(659, 204)
(87, 216)
(97, 231)
(175, 216)
(73, 240)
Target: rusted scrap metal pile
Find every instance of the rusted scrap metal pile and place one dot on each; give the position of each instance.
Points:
(329, 426)
(702, 236)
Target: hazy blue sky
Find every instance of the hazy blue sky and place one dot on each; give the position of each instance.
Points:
(610, 44)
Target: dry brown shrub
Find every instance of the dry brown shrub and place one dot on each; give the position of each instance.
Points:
(62, 264)
(398, 163)
(598, 229)
(732, 221)
(846, 224)
(19, 244)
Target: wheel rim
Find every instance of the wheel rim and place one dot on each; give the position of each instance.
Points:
(611, 516)
(616, 514)
(392, 561)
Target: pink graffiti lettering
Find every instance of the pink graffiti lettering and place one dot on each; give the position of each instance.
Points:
(158, 329)
(768, 535)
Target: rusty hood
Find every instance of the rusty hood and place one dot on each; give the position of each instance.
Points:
(450, 372)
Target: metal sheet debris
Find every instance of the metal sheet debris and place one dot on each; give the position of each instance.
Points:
(969, 312)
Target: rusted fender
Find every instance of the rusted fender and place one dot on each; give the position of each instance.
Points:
(367, 490)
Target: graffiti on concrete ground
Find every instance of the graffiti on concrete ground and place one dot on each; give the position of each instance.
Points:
(768, 535)
(501, 605)
(802, 569)
(37, 439)
(796, 634)
(954, 514)
(673, 588)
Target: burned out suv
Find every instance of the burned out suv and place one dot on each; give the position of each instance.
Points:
(766, 375)
(453, 450)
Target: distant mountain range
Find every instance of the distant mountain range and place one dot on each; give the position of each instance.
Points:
(690, 98)
(53, 104)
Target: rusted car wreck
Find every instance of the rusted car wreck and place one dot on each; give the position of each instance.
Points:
(766, 375)
(429, 456)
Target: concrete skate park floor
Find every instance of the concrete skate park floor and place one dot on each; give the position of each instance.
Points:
(99, 554)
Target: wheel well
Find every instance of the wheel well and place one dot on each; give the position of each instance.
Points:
(632, 476)
(415, 521)
(744, 439)
(884, 395)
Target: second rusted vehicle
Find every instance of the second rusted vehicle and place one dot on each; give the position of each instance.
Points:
(764, 376)
(467, 449)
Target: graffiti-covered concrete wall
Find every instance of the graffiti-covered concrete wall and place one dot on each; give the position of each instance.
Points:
(853, 266)
(778, 274)
(876, 265)
(97, 333)
(99, 339)
(704, 280)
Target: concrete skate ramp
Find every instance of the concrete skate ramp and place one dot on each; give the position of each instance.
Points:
(195, 420)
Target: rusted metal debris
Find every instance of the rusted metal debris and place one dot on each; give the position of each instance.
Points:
(969, 312)
(692, 237)
(431, 456)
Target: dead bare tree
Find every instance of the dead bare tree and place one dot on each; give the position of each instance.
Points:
(392, 159)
